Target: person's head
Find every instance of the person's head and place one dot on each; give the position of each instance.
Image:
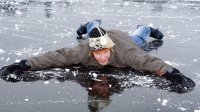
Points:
(101, 45)
(102, 56)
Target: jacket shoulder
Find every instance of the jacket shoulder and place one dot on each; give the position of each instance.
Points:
(121, 38)
(117, 33)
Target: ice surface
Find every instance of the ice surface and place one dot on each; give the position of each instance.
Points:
(43, 25)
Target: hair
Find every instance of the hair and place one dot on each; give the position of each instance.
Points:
(96, 33)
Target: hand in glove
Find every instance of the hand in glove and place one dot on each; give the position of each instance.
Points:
(12, 72)
(179, 82)
(86, 28)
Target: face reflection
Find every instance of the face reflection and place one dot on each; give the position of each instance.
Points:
(102, 56)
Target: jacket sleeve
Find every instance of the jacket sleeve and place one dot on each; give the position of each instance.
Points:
(141, 60)
(57, 58)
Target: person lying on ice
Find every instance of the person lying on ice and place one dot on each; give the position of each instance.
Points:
(105, 47)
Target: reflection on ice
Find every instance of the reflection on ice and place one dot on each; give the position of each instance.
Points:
(124, 77)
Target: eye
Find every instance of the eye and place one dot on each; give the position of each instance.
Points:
(96, 53)
(106, 51)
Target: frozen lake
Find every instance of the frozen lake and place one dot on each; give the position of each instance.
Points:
(33, 27)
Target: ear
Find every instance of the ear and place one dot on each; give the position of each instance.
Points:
(91, 54)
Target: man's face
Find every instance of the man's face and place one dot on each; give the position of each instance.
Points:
(102, 56)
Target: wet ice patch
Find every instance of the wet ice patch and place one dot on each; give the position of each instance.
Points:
(55, 72)
(143, 81)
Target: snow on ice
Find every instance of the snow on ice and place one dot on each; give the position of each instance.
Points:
(2, 51)
(46, 82)
(197, 110)
(165, 101)
(26, 99)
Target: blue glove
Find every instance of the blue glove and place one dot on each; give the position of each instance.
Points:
(12, 72)
(179, 82)
(86, 28)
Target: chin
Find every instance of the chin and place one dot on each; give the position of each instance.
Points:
(104, 63)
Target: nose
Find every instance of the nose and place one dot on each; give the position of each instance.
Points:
(101, 56)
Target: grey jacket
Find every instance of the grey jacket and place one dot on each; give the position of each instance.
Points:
(124, 53)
